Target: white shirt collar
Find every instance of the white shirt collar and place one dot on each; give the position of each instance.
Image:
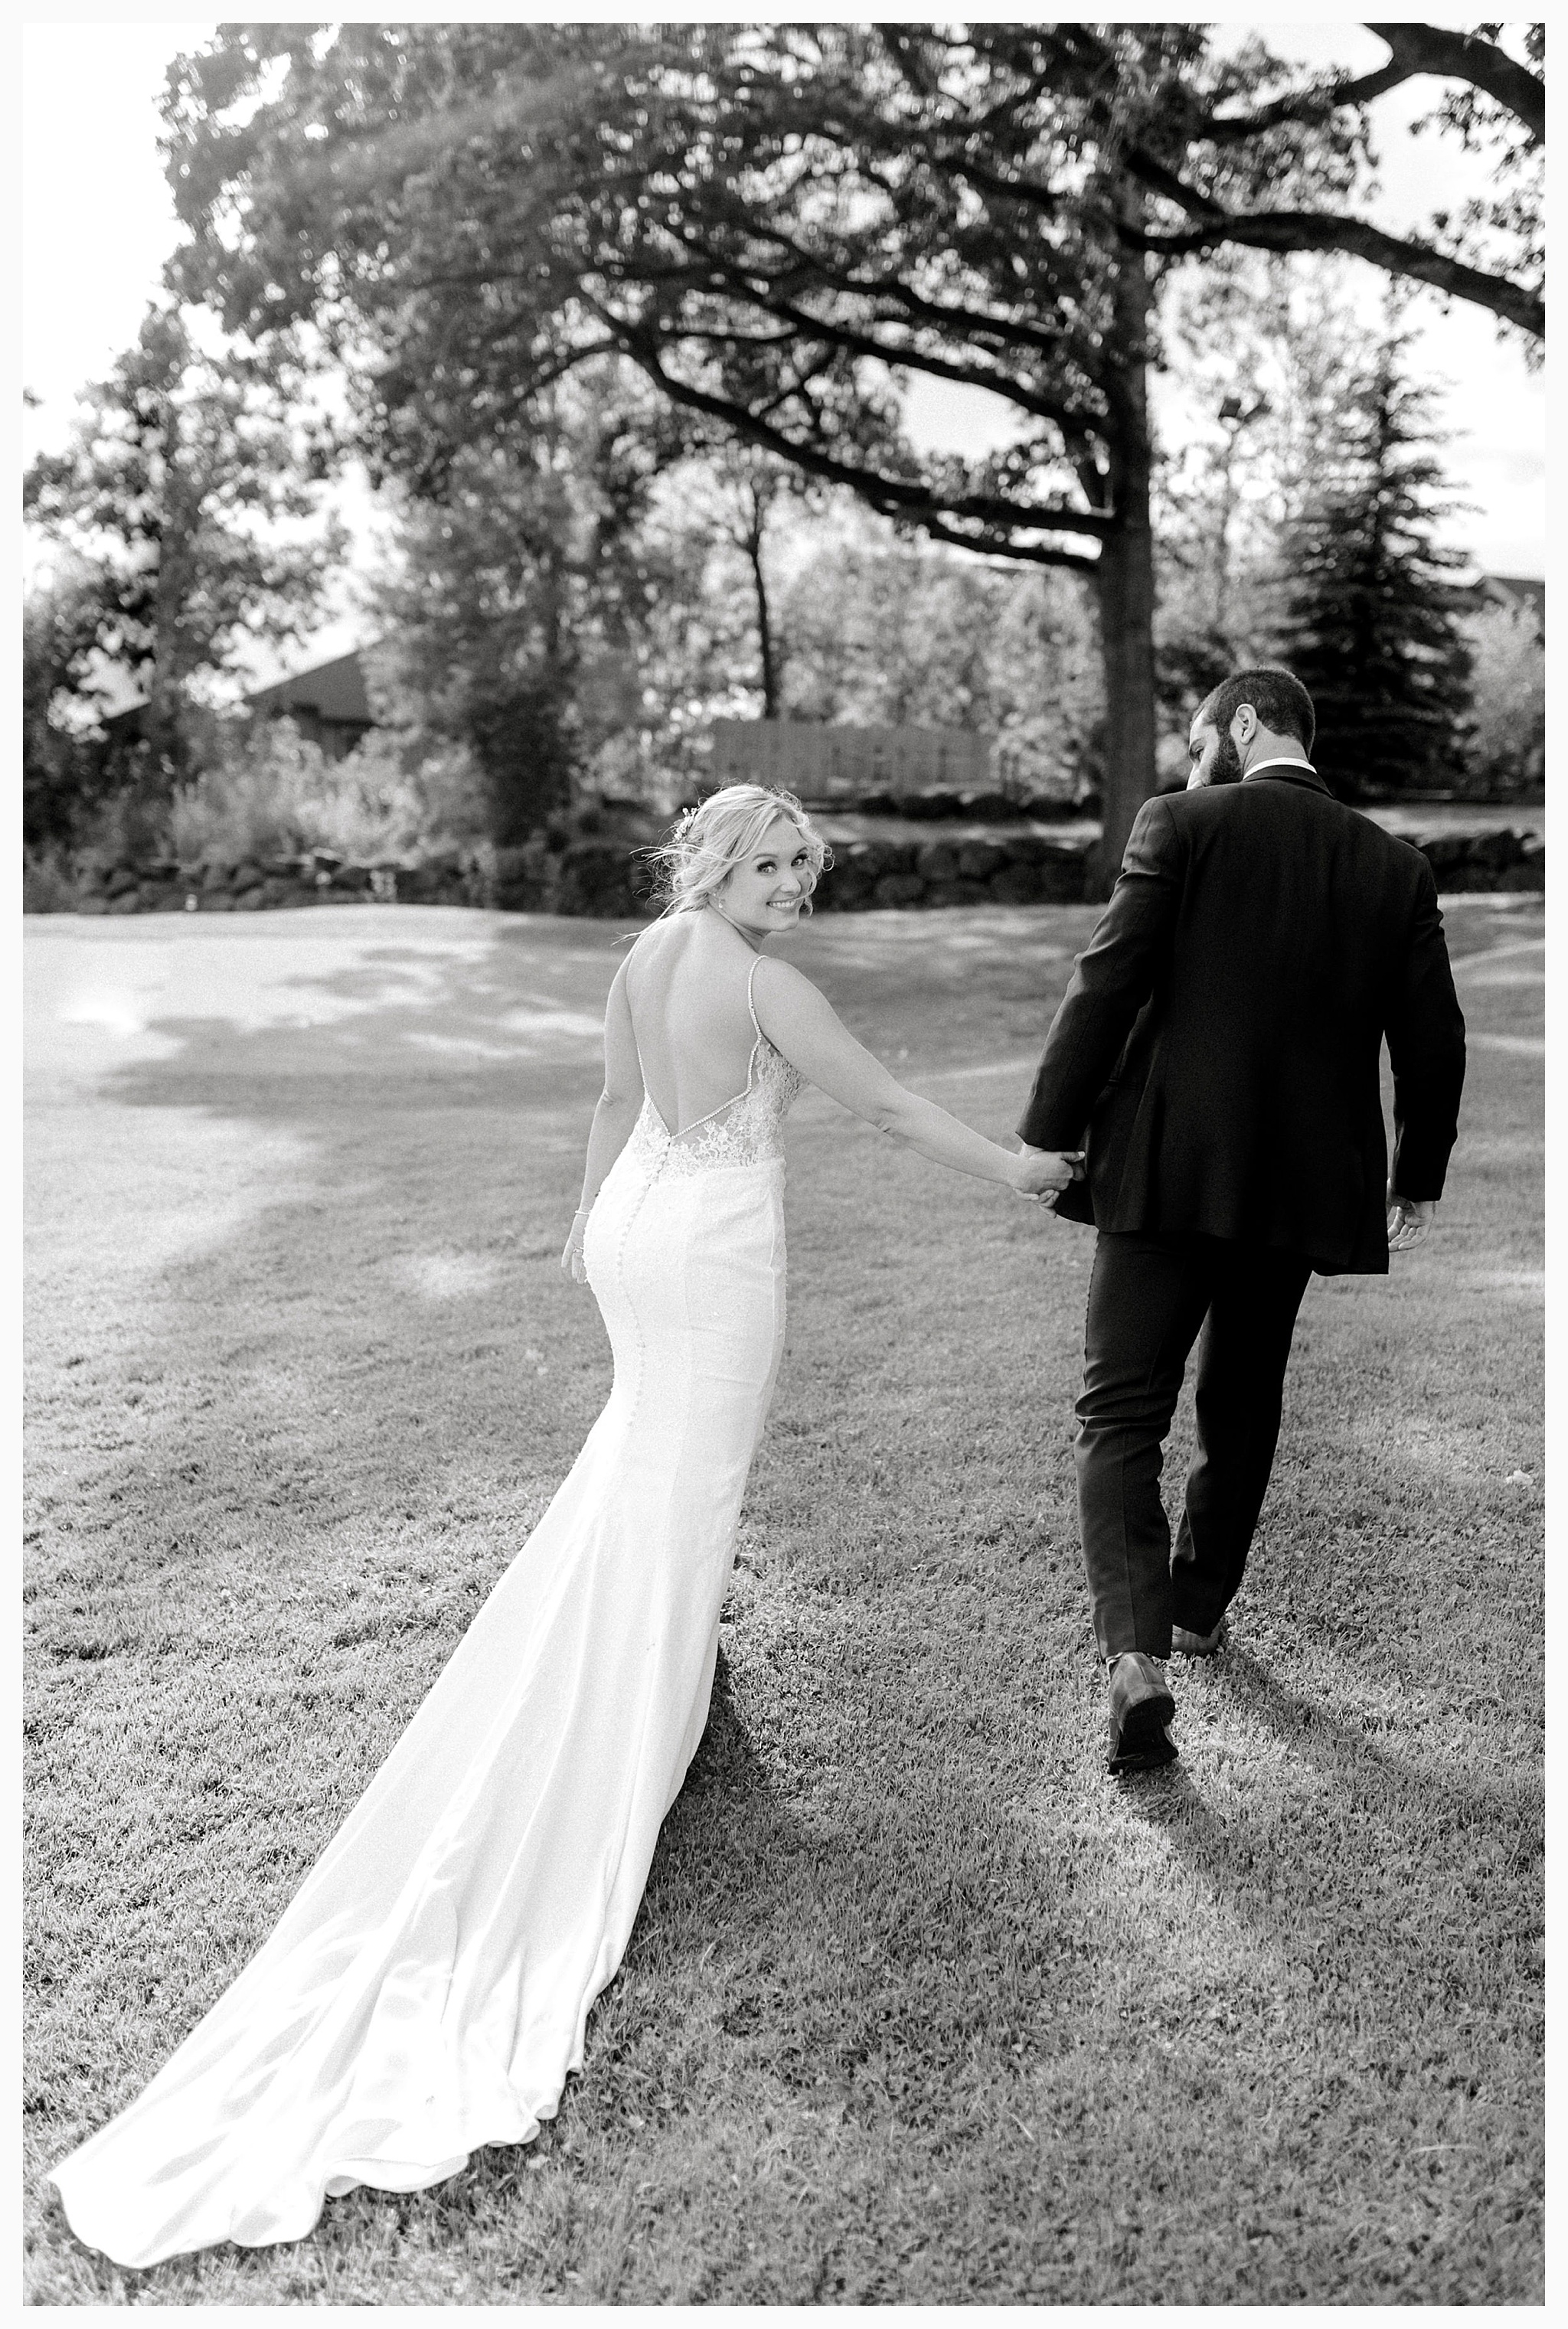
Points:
(1280, 760)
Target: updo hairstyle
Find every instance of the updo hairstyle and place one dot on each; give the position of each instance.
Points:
(721, 833)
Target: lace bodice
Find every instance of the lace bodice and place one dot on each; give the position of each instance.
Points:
(747, 1131)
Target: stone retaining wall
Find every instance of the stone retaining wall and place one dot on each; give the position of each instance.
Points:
(989, 866)
(165, 887)
(1503, 859)
(601, 876)
(981, 865)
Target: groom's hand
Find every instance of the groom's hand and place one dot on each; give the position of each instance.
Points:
(1409, 1219)
(1042, 1173)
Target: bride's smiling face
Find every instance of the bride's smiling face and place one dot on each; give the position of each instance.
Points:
(767, 890)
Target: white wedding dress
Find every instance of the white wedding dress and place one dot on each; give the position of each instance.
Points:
(426, 1990)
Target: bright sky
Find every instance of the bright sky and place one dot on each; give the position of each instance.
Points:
(98, 223)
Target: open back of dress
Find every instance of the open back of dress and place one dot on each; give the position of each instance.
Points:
(694, 1025)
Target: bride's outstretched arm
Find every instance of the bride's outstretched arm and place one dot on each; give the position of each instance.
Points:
(798, 1019)
(614, 1116)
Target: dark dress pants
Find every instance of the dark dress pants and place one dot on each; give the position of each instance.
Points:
(1148, 1295)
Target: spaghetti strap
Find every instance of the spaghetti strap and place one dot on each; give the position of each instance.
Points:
(757, 1030)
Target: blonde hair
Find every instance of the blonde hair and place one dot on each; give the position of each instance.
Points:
(710, 841)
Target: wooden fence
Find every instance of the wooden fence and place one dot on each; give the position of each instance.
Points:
(821, 763)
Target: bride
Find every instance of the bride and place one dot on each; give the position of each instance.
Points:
(426, 1990)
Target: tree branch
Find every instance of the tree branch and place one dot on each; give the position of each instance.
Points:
(1302, 105)
(1288, 231)
(1464, 56)
(1413, 50)
(892, 496)
(914, 359)
(979, 325)
(1033, 553)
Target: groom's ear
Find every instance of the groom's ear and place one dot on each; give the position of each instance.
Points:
(1244, 723)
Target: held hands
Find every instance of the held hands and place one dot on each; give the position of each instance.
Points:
(1409, 1219)
(1040, 1174)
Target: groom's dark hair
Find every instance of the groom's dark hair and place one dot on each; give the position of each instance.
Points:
(1275, 695)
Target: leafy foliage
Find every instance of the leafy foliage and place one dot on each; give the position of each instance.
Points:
(1510, 220)
(1233, 175)
(178, 490)
(741, 493)
(265, 791)
(522, 589)
(778, 225)
(1266, 364)
(62, 758)
(891, 634)
(1507, 725)
(775, 222)
(764, 219)
(1262, 360)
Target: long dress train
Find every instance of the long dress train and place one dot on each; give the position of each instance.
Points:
(426, 1991)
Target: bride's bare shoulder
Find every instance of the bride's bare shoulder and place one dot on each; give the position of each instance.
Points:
(650, 946)
(779, 987)
(776, 977)
(647, 940)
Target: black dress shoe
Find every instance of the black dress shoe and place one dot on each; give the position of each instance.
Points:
(1140, 1707)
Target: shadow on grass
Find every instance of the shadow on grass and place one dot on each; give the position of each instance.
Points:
(1376, 1840)
(1414, 1790)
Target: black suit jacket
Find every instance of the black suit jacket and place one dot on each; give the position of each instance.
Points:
(1218, 1049)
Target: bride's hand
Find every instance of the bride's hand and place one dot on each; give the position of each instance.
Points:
(572, 1262)
(1042, 1173)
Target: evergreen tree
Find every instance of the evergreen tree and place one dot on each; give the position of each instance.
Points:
(1372, 613)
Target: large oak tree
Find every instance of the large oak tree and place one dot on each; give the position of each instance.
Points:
(778, 225)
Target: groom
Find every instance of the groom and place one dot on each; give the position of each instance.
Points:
(1217, 1053)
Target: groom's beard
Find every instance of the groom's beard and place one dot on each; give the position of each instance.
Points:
(1226, 766)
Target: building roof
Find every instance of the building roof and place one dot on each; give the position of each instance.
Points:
(333, 690)
(1524, 590)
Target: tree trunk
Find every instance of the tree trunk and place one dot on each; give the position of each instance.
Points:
(174, 587)
(1124, 579)
(755, 533)
(765, 636)
(522, 725)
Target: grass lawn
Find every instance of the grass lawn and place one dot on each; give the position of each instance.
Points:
(921, 2005)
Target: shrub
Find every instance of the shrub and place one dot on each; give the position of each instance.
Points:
(267, 791)
(130, 826)
(1032, 756)
(247, 797)
(1508, 707)
(48, 884)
